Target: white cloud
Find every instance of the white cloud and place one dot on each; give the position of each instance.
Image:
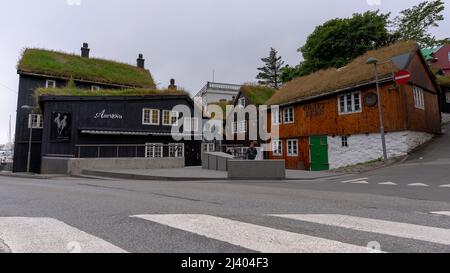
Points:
(374, 2)
(73, 2)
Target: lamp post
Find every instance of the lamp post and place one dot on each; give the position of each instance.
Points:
(374, 61)
(28, 107)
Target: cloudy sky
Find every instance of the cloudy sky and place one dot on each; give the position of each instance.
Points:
(181, 39)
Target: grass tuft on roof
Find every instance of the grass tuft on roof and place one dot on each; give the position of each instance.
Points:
(444, 81)
(355, 73)
(77, 92)
(257, 94)
(58, 64)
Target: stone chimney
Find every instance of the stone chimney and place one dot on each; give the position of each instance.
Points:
(172, 85)
(141, 61)
(85, 50)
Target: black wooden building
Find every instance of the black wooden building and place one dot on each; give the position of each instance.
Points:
(49, 69)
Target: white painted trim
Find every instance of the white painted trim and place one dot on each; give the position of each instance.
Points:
(287, 147)
(151, 116)
(48, 85)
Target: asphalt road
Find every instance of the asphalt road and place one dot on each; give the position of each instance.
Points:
(403, 208)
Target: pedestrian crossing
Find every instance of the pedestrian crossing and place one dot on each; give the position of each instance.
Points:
(48, 235)
(367, 181)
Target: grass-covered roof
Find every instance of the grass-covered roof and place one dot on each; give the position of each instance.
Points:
(355, 73)
(257, 94)
(77, 92)
(444, 81)
(58, 64)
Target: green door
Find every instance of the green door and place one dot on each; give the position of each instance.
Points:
(318, 149)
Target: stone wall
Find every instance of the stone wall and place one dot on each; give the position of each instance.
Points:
(363, 148)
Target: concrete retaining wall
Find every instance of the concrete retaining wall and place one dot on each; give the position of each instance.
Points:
(216, 161)
(75, 166)
(256, 169)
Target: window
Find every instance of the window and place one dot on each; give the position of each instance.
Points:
(95, 88)
(447, 96)
(449, 56)
(190, 124)
(176, 150)
(153, 150)
(150, 116)
(50, 84)
(277, 147)
(209, 147)
(242, 126)
(234, 127)
(292, 147)
(418, 98)
(289, 115)
(170, 117)
(344, 140)
(241, 102)
(349, 103)
(276, 117)
(35, 121)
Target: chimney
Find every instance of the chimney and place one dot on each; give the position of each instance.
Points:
(172, 85)
(85, 50)
(141, 61)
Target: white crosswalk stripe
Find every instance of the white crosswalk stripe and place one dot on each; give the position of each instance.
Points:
(445, 213)
(404, 230)
(250, 236)
(353, 180)
(47, 235)
(445, 186)
(388, 184)
(418, 185)
(360, 182)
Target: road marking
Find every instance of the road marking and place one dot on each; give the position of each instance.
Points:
(250, 236)
(445, 186)
(388, 183)
(445, 213)
(354, 180)
(47, 235)
(404, 230)
(418, 185)
(360, 182)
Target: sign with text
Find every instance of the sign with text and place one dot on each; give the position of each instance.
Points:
(61, 127)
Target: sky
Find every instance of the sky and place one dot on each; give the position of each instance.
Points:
(182, 39)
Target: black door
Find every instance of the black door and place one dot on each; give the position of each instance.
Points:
(192, 154)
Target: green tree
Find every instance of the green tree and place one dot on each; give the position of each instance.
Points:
(416, 23)
(270, 73)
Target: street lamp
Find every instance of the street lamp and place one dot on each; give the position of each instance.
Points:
(30, 108)
(374, 61)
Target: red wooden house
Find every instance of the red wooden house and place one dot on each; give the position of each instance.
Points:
(329, 119)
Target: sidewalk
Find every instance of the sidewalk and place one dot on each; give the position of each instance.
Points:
(193, 174)
(30, 175)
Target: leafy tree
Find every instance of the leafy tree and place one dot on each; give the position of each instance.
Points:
(415, 23)
(270, 73)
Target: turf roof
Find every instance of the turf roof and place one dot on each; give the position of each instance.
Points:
(58, 64)
(444, 81)
(77, 92)
(257, 94)
(355, 73)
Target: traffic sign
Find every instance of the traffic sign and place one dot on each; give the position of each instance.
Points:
(402, 77)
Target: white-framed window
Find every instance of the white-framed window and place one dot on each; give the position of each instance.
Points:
(190, 124)
(176, 150)
(349, 103)
(209, 147)
(154, 150)
(276, 117)
(170, 118)
(277, 147)
(288, 115)
(292, 147)
(447, 96)
(449, 56)
(242, 126)
(418, 98)
(50, 84)
(35, 121)
(95, 88)
(344, 141)
(150, 116)
(241, 101)
(234, 127)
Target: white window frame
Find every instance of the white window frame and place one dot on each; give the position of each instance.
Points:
(276, 117)
(172, 114)
(419, 101)
(234, 127)
(150, 150)
(286, 117)
(50, 84)
(242, 126)
(447, 96)
(209, 147)
(277, 148)
(177, 153)
(346, 111)
(95, 88)
(344, 141)
(241, 101)
(192, 123)
(290, 147)
(449, 56)
(150, 120)
(37, 123)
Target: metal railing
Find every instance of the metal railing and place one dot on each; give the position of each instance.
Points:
(126, 150)
(220, 86)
